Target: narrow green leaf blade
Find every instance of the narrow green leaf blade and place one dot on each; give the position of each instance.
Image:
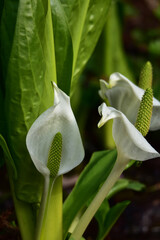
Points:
(102, 212)
(9, 158)
(88, 184)
(124, 183)
(110, 219)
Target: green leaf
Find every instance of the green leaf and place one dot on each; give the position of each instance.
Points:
(9, 10)
(9, 158)
(124, 183)
(107, 218)
(94, 174)
(102, 211)
(63, 46)
(113, 52)
(86, 20)
(68, 5)
(28, 87)
(68, 237)
(1, 112)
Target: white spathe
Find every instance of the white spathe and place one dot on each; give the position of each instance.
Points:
(129, 141)
(125, 96)
(58, 118)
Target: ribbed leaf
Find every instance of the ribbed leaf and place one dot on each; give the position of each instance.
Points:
(9, 10)
(8, 15)
(63, 46)
(86, 20)
(31, 69)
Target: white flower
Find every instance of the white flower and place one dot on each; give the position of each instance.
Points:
(130, 145)
(57, 119)
(125, 96)
(129, 141)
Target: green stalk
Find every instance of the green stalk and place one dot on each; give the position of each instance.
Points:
(49, 225)
(25, 218)
(54, 221)
(101, 195)
(48, 184)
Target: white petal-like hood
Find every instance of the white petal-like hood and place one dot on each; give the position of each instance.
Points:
(129, 141)
(58, 118)
(125, 96)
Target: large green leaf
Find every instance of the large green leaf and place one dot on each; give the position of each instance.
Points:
(28, 90)
(63, 46)
(91, 178)
(9, 10)
(107, 217)
(68, 5)
(113, 51)
(86, 20)
(8, 15)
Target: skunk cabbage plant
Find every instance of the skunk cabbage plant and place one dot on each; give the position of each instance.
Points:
(129, 140)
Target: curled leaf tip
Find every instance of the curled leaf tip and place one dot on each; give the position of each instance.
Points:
(145, 112)
(145, 80)
(55, 155)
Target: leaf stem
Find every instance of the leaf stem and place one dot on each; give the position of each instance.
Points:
(101, 195)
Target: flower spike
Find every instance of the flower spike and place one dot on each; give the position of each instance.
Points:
(145, 80)
(145, 112)
(55, 155)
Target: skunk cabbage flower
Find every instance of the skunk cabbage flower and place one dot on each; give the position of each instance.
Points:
(125, 96)
(130, 145)
(55, 136)
(129, 141)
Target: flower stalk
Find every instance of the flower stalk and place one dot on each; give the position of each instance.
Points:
(100, 196)
(50, 216)
(41, 224)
